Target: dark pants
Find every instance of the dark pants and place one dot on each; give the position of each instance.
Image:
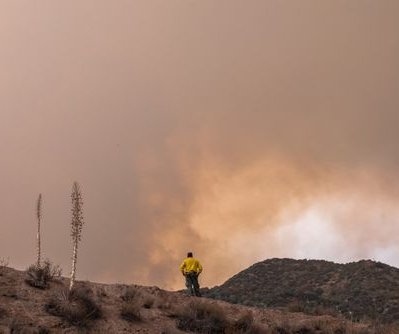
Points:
(192, 284)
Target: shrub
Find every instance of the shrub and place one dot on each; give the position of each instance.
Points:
(257, 329)
(41, 276)
(280, 330)
(321, 324)
(4, 262)
(283, 327)
(303, 329)
(3, 265)
(387, 329)
(101, 293)
(201, 317)
(163, 302)
(15, 326)
(18, 327)
(43, 330)
(170, 330)
(148, 301)
(139, 297)
(246, 325)
(130, 311)
(3, 312)
(77, 307)
(296, 306)
(131, 293)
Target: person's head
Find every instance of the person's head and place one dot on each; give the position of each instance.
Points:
(189, 254)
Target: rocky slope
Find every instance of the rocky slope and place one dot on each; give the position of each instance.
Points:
(358, 290)
(133, 309)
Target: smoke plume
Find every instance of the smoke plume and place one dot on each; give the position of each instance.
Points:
(236, 130)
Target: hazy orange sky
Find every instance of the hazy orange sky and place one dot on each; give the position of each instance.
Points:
(240, 130)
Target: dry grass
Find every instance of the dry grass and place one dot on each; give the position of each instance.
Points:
(204, 317)
(131, 293)
(77, 307)
(296, 306)
(130, 311)
(245, 322)
(16, 326)
(384, 329)
(131, 306)
(201, 317)
(370, 292)
(246, 325)
(328, 326)
(41, 276)
(170, 313)
(163, 301)
(148, 301)
(3, 312)
(4, 262)
(171, 330)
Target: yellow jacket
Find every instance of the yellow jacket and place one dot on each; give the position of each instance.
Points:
(190, 264)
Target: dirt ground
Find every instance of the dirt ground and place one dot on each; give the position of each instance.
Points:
(22, 309)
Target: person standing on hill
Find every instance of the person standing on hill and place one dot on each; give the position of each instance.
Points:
(191, 268)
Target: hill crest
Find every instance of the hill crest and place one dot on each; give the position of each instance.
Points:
(358, 290)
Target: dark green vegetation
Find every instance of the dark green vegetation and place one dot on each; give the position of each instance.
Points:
(359, 290)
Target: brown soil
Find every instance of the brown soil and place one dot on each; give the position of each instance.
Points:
(22, 310)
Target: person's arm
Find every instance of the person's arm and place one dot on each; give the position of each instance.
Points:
(182, 266)
(199, 268)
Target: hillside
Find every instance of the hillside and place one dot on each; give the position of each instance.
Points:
(118, 308)
(358, 290)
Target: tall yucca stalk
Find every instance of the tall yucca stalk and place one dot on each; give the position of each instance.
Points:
(39, 219)
(76, 227)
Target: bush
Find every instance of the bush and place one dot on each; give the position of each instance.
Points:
(170, 330)
(257, 329)
(321, 326)
(4, 262)
(18, 327)
(77, 307)
(296, 306)
(3, 265)
(130, 311)
(246, 325)
(281, 330)
(3, 312)
(15, 326)
(41, 276)
(164, 301)
(131, 293)
(201, 317)
(303, 329)
(148, 301)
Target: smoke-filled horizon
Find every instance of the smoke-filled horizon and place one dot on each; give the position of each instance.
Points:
(239, 130)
